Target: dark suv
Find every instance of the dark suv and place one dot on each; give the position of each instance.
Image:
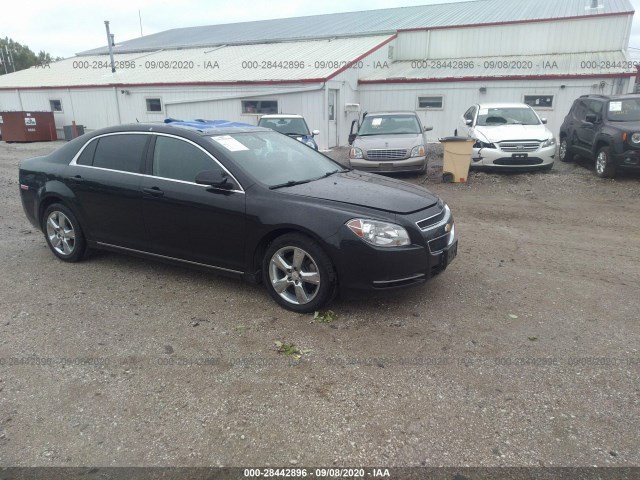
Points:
(605, 129)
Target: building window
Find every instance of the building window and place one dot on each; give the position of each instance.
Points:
(154, 105)
(539, 101)
(433, 102)
(259, 106)
(56, 105)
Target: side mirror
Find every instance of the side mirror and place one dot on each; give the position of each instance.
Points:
(468, 122)
(544, 121)
(427, 128)
(352, 137)
(215, 179)
(315, 132)
(591, 117)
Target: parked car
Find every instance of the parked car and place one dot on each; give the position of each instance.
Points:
(244, 201)
(605, 129)
(388, 142)
(508, 136)
(293, 125)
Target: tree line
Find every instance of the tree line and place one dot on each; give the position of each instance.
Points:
(15, 56)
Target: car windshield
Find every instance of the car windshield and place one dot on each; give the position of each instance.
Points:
(389, 125)
(288, 126)
(624, 110)
(275, 160)
(507, 116)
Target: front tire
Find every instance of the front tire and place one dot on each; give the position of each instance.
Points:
(298, 274)
(604, 167)
(63, 233)
(565, 153)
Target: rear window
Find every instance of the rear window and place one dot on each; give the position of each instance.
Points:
(389, 125)
(121, 152)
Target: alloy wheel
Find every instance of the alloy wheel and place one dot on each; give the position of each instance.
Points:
(294, 275)
(61, 234)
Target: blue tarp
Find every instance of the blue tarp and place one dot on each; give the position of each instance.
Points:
(206, 124)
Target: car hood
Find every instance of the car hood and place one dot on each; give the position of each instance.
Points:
(406, 141)
(511, 132)
(367, 190)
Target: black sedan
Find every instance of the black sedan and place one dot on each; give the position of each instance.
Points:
(244, 201)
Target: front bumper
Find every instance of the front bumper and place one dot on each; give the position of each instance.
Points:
(629, 159)
(413, 164)
(496, 158)
(366, 268)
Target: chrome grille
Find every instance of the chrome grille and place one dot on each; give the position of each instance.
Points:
(386, 154)
(519, 146)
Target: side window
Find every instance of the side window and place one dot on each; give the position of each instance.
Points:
(86, 157)
(179, 160)
(580, 111)
(121, 152)
(469, 114)
(595, 106)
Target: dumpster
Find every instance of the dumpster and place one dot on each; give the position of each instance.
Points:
(28, 126)
(457, 158)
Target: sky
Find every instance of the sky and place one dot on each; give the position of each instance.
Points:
(62, 29)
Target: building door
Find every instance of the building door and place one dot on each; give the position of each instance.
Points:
(333, 119)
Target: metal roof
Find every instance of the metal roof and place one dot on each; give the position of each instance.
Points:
(370, 22)
(597, 64)
(273, 62)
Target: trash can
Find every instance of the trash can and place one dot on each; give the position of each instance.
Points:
(457, 158)
(68, 132)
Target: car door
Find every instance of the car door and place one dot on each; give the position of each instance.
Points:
(585, 132)
(105, 178)
(188, 221)
(465, 130)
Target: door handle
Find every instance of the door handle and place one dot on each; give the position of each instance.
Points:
(75, 179)
(155, 191)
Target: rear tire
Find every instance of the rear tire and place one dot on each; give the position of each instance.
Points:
(63, 233)
(604, 167)
(298, 273)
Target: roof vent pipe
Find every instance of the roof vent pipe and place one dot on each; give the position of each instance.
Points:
(110, 43)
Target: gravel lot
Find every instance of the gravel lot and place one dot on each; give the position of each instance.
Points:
(523, 353)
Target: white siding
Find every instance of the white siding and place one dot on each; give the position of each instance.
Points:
(569, 36)
(460, 96)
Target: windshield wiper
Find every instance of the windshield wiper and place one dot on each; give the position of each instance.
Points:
(328, 174)
(297, 134)
(290, 183)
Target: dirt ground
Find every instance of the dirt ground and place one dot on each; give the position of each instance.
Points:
(523, 353)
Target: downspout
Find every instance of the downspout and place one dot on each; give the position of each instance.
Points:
(20, 99)
(115, 92)
(326, 112)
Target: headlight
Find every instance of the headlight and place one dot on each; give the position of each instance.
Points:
(380, 234)
(549, 142)
(635, 138)
(418, 151)
(481, 144)
(355, 152)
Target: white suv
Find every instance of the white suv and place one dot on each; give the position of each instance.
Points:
(508, 135)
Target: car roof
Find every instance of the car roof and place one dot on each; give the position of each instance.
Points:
(621, 96)
(393, 112)
(503, 105)
(186, 130)
(281, 116)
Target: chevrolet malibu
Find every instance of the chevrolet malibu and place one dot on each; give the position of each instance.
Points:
(243, 201)
(508, 136)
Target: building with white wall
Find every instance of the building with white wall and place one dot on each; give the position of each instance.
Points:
(436, 59)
